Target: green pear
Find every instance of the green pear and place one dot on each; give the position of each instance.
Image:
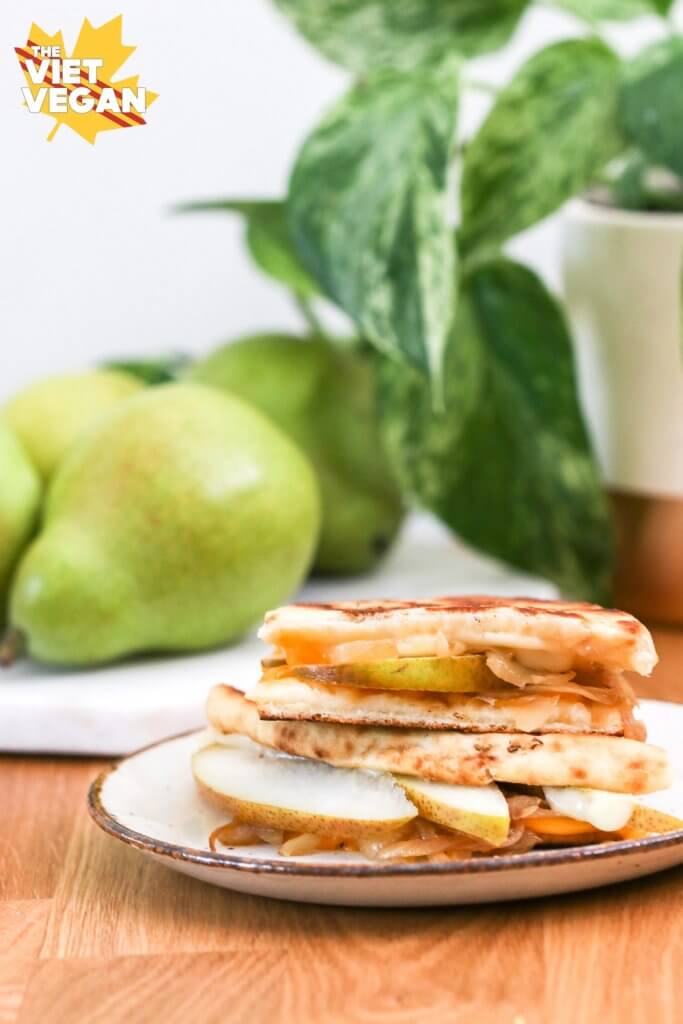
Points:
(51, 414)
(19, 503)
(322, 395)
(172, 526)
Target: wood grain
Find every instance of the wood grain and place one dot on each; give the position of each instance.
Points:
(22, 926)
(91, 933)
(33, 845)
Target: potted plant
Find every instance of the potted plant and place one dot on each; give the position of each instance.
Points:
(623, 271)
(477, 394)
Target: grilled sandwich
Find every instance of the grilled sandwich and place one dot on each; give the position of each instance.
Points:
(503, 723)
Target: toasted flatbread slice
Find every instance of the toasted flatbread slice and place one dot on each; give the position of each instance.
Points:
(295, 700)
(550, 636)
(599, 762)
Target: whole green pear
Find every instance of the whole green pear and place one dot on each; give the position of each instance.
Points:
(50, 415)
(20, 492)
(172, 526)
(322, 394)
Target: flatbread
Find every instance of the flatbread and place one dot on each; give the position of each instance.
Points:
(327, 633)
(599, 762)
(296, 700)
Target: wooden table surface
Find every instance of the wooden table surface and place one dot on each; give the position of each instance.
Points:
(90, 931)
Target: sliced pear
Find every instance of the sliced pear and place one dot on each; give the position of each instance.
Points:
(265, 787)
(479, 811)
(466, 673)
(646, 821)
(608, 812)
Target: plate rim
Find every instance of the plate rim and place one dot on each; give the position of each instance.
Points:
(561, 856)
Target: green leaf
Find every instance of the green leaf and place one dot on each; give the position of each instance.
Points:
(628, 188)
(548, 133)
(663, 6)
(151, 371)
(640, 185)
(268, 239)
(367, 204)
(652, 102)
(507, 465)
(613, 10)
(365, 35)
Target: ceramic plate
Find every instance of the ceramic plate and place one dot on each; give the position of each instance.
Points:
(148, 801)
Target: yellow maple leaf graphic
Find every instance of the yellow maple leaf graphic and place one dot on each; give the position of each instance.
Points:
(104, 43)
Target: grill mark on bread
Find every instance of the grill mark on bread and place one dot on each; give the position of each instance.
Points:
(527, 743)
(359, 610)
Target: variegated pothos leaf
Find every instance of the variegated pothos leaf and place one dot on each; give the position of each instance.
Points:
(652, 102)
(365, 35)
(548, 133)
(368, 209)
(507, 464)
(613, 10)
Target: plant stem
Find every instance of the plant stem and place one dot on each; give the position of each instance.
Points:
(480, 86)
(308, 313)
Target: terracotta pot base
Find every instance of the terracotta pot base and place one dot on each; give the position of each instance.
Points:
(649, 576)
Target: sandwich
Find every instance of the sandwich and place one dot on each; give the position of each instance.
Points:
(436, 730)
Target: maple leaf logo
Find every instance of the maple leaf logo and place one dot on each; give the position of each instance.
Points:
(103, 103)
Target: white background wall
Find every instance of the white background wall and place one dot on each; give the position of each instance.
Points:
(92, 264)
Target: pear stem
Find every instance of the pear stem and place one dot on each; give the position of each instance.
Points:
(11, 647)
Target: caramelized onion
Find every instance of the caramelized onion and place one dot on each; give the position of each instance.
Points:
(307, 842)
(274, 836)
(523, 842)
(236, 833)
(595, 693)
(521, 806)
(409, 848)
(507, 668)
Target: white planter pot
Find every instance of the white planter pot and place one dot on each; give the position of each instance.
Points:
(623, 281)
(623, 277)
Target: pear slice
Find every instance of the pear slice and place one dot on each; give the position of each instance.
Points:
(268, 788)
(479, 811)
(646, 821)
(465, 673)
